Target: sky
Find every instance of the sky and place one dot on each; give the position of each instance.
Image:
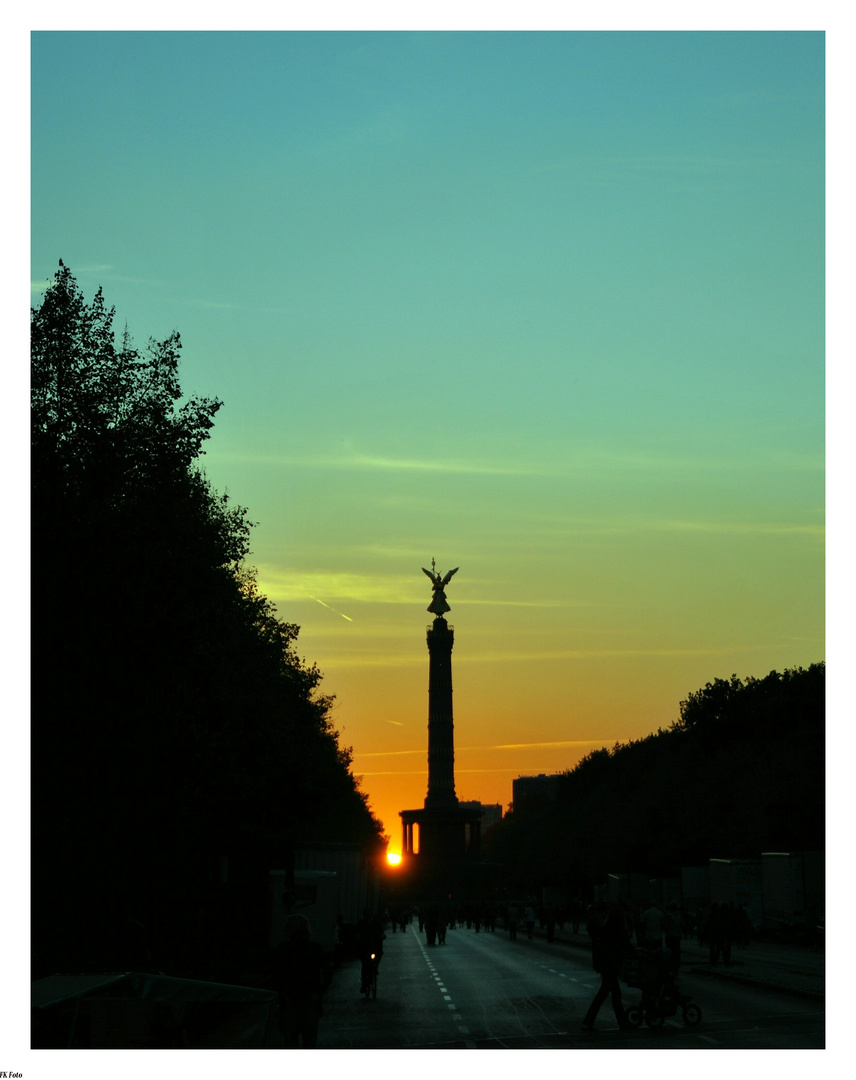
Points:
(547, 307)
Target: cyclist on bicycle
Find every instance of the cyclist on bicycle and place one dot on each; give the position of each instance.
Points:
(370, 938)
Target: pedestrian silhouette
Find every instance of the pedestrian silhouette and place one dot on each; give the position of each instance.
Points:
(610, 945)
(651, 923)
(719, 934)
(302, 975)
(529, 919)
(673, 929)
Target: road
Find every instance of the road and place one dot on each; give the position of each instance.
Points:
(484, 991)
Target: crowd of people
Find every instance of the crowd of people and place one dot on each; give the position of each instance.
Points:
(616, 931)
(524, 914)
(720, 926)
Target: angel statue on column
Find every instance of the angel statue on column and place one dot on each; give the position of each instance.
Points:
(438, 605)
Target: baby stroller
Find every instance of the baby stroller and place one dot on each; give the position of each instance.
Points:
(649, 970)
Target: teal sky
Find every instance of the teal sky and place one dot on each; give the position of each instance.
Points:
(549, 307)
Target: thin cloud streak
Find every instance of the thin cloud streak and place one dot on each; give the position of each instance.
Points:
(284, 587)
(466, 468)
(594, 654)
(421, 772)
(563, 742)
(412, 772)
(744, 528)
(379, 464)
(500, 746)
(389, 753)
(580, 460)
(387, 661)
(102, 271)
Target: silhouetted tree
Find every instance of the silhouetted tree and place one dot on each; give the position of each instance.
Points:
(179, 744)
(740, 772)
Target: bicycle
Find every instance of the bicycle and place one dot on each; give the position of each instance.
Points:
(369, 981)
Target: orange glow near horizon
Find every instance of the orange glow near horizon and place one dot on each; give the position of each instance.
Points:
(393, 858)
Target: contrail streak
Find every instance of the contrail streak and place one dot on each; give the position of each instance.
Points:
(321, 602)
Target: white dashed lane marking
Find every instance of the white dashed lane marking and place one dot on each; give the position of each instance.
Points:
(456, 1016)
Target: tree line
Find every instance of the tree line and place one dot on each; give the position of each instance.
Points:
(741, 771)
(180, 745)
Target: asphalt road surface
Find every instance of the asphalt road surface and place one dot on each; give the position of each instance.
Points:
(484, 991)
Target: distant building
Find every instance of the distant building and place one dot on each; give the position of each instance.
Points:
(528, 790)
(491, 812)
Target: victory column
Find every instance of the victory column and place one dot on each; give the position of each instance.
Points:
(449, 834)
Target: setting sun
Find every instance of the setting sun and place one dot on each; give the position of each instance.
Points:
(393, 858)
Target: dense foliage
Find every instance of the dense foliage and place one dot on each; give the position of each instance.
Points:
(740, 772)
(179, 744)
